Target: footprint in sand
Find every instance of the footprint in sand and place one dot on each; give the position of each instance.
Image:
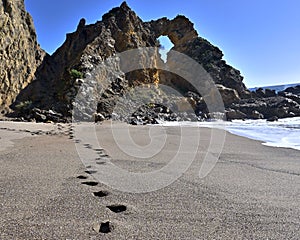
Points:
(90, 172)
(101, 163)
(87, 145)
(117, 208)
(91, 183)
(82, 177)
(99, 150)
(101, 194)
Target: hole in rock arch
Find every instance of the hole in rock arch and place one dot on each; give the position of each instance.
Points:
(165, 46)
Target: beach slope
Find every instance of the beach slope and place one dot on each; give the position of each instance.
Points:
(251, 193)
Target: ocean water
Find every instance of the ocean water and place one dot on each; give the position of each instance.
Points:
(277, 88)
(283, 133)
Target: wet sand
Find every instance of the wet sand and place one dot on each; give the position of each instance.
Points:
(252, 193)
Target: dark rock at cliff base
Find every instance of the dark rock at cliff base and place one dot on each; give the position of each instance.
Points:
(235, 114)
(272, 119)
(264, 93)
(266, 103)
(278, 106)
(229, 95)
(39, 115)
(294, 97)
(294, 90)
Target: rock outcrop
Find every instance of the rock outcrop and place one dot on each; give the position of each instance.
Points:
(267, 104)
(60, 75)
(78, 76)
(20, 54)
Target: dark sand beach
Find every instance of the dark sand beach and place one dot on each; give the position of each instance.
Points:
(252, 192)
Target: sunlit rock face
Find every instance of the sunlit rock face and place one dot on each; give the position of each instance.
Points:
(20, 54)
(60, 75)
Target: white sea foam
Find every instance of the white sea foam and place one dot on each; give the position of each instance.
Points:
(283, 133)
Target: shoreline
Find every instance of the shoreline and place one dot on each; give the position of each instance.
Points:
(252, 192)
(33, 128)
(279, 134)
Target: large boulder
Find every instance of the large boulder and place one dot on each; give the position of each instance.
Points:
(228, 95)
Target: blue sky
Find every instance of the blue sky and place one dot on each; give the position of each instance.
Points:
(261, 38)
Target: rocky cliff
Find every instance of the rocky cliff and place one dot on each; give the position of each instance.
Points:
(121, 29)
(79, 69)
(20, 54)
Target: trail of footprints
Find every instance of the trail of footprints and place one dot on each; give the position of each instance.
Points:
(66, 130)
(105, 226)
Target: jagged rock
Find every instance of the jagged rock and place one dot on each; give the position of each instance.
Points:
(76, 67)
(291, 96)
(235, 114)
(256, 115)
(293, 90)
(272, 119)
(77, 77)
(179, 30)
(264, 93)
(270, 93)
(20, 54)
(210, 57)
(38, 116)
(269, 107)
(259, 93)
(229, 95)
(99, 117)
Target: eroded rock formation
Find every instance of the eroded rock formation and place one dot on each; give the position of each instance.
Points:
(120, 30)
(84, 73)
(20, 54)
